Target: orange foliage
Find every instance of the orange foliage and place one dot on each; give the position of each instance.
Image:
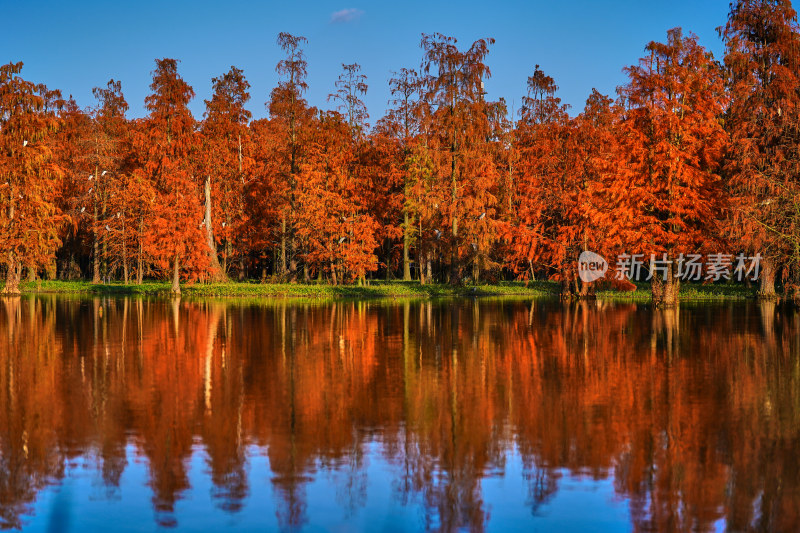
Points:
(450, 185)
(667, 403)
(29, 178)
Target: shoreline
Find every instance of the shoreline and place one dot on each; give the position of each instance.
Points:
(375, 289)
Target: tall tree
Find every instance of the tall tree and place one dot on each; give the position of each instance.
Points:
(29, 216)
(72, 151)
(165, 145)
(403, 118)
(227, 159)
(674, 141)
(543, 181)
(332, 220)
(456, 122)
(762, 59)
(291, 112)
(598, 164)
(108, 144)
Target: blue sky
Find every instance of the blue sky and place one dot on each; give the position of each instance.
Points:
(74, 46)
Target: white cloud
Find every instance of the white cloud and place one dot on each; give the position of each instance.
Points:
(344, 16)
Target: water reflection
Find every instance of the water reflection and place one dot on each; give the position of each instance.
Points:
(692, 415)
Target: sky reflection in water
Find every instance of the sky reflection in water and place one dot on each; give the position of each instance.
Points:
(397, 416)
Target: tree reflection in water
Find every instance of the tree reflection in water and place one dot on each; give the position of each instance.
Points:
(693, 413)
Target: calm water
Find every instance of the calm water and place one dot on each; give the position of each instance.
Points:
(461, 414)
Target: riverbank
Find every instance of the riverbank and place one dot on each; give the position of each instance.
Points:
(375, 289)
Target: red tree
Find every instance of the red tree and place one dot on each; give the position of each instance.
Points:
(673, 140)
(762, 46)
(29, 216)
(165, 145)
(226, 146)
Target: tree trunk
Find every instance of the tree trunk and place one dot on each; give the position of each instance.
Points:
(105, 275)
(406, 246)
(228, 253)
(766, 280)
(12, 276)
(124, 254)
(217, 273)
(455, 270)
(421, 261)
(586, 290)
(176, 278)
(580, 289)
(386, 251)
(96, 248)
(566, 290)
(664, 292)
(429, 266)
(139, 267)
(282, 265)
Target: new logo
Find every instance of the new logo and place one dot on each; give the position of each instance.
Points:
(591, 266)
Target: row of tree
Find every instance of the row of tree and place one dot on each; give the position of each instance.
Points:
(693, 156)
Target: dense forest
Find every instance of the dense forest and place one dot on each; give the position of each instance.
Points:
(694, 155)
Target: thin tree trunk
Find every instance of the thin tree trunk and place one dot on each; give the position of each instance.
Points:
(124, 254)
(176, 278)
(429, 266)
(96, 248)
(421, 261)
(217, 273)
(282, 266)
(455, 273)
(225, 259)
(105, 276)
(139, 267)
(406, 246)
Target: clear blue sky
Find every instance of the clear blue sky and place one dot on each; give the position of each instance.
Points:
(74, 46)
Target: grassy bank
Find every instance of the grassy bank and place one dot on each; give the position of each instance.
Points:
(688, 292)
(376, 289)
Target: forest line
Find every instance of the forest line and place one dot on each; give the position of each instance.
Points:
(694, 156)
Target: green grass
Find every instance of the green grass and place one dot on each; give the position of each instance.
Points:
(375, 289)
(688, 292)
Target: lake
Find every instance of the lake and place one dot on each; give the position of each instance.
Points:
(486, 414)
